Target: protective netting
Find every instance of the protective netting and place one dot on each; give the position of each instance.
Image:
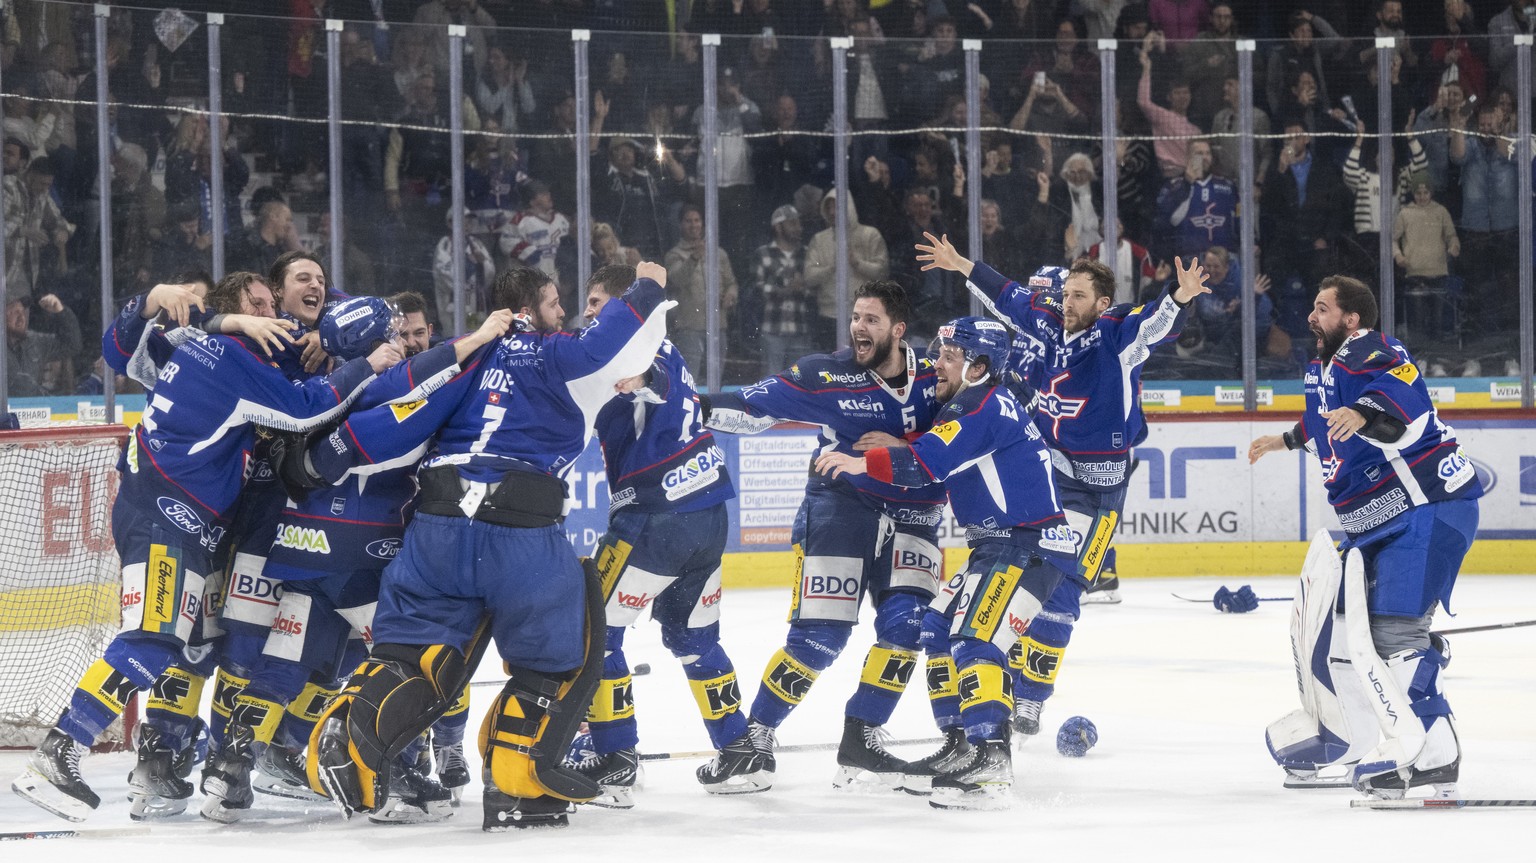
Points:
(59, 574)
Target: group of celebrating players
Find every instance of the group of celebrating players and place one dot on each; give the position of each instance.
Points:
(334, 520)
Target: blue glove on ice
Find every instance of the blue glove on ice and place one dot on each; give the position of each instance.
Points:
(1236, 602)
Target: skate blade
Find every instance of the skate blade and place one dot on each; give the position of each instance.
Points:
(917, 786)
(1435, 791)
(213, 809)
(614, 797)
(458, 795)
(982, 798)
(1103, 597)
(400, 812)
(35, 787)
(746, 783)
(278, 788)
(151, 807)
(859, 779)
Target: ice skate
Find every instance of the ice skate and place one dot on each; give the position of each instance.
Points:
(154, 789)
(617, 773)
(280, 772)
(1104, 591)
(505, 812)
(413, 798)
(227, 776)
(52, 778)
(743, 766)
(981, 782)
(918, 778)
(452, 769)
(1026, 718)
(863, 759)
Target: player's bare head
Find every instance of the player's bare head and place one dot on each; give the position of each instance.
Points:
(1087, 292)
(1342, 306)
(529, 292)
(608, 282)
(298, 282)
(199, 281)
(415, 329)
(241, 293)
(880, 313)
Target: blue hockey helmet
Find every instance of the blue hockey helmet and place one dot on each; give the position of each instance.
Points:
(353, 328)
(1048, 279)
(977, 338)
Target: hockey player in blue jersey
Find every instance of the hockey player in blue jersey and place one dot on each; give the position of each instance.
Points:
(486, 557)
(668, 486)
(853, 536)
(1406, 495)
(328, 551)
(1084, 360)
(181, 474)
(994, 464)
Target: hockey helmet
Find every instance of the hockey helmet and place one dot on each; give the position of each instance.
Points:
(977, 338)
(1048, 279)
(353, 328)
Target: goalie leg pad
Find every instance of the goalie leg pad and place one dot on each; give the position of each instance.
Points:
(1417, 674)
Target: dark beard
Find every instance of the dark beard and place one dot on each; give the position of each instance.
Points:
(879, 353)
(1329, 343)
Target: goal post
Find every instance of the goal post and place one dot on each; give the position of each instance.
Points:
(60, 580)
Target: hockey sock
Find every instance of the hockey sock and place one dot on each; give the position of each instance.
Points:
(449, 730)
(713, 681)
(984, 701)
(304, 709)
(944, 691)
(227, 686)
(809, 650)
(611, 717)
(105, 690)
(1035, 660)
(172, 706)
(887, 670)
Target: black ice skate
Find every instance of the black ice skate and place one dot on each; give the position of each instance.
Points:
(1026, 718)
(505, 812)
(452, 769)
(743, 766)
(280, 772)
(919, 775)
(52, 778)
(981, 782)
(227, 775)
(617, 773)
(1104, 591)
(154, 789)
(413, 798)
(863, 760)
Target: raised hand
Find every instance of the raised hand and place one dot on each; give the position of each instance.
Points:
(941, 254)
(1191, 280)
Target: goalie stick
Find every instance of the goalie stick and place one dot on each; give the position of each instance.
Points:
(1435, 803)
(794, 747)
(1460, 630)
(638, 671)
(1207, 600)
(104, 833)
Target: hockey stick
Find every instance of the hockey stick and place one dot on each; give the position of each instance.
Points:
(1208, 599)
(638, 671)
(1441, 804)
(1489, 628)
(104, 833)
(794, 747)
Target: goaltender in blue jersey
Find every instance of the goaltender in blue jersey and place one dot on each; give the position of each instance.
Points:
(994, 464)
(1406, 495)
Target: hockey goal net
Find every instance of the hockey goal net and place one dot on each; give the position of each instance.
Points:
(60, 581)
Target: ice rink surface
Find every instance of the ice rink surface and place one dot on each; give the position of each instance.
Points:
(1180, 694)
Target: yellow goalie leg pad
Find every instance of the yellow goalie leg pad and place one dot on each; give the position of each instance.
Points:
(523, 748)
(982, 683)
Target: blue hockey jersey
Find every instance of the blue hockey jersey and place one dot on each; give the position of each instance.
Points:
(357, 524)
(526, 402)
(995, 466)
(1370, 482)
(658, 454)
(1088, 405)
(189, 455)
(846, 401)
(1200, 214)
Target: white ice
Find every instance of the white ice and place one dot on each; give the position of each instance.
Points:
(1180, 694)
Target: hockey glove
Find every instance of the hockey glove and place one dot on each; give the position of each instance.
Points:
(1235, 602)
(290, 461)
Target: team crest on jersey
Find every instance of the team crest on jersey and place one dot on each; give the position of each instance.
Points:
(1058, 407)
(1331, 466)
(794, 371)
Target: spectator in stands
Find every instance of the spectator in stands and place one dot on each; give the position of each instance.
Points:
(1363, 177)
(439, 14)
(1200, 207)
(417, 172)
(1208, 62)
(1133, 28)
(17, 156)
(1008, 189)
(36, 232)
(1179, 20)
(1389, 25)
(1101, 17)
(1171, 124)
(1072, 224)
(632, 199)
(1490, 216)
(1304, 211)
(409, 59)
(1070, 66)
(1365, 95)
(188, 166)
(503, 94)
(183, 245)
(1459, 56)
(273, 234)
(138, 213)
(1302, 54)
(357, 269)
(1134, 271)
(26, 130)
(1423, 242)
(606, 248)
(1433, 129)
(1221, 311)
(736, 117)
(479, 270)
(553, 159)
(1001, 247)
(688, 323)
(762, 77)
(933, 300)
(535, 235)
(40, 363)
(867, 261)
(782, 162)
(788, 306)
(938, 73)
(1227, 136)
(1502, 28)
(492, 172)
(1140, 178)
(872, 84)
